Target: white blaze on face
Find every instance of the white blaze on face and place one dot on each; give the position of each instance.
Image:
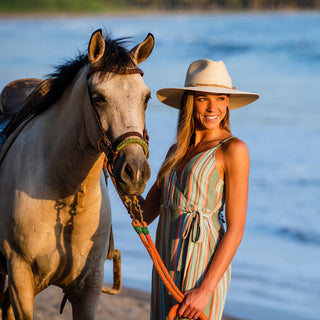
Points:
(138, 174)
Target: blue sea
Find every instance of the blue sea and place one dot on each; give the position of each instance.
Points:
(276, 271)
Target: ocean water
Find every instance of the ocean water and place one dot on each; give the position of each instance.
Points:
(276, 271)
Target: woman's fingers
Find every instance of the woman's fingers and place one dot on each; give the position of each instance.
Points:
(188, 312)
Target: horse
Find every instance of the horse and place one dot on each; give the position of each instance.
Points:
(54, 205)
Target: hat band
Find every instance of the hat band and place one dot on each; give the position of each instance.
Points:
(210, 85)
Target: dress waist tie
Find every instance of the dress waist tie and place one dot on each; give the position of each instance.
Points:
(194, 226)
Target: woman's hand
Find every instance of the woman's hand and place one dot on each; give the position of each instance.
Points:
(193, 304)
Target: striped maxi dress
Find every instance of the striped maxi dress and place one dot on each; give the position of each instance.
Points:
(189, 231)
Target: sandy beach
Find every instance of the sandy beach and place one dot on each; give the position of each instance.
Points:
(129, 304)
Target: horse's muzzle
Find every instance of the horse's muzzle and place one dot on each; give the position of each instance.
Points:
(132, 170)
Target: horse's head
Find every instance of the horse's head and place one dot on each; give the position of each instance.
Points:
(119, 97)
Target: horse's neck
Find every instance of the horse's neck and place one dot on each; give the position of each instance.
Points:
(72, 158)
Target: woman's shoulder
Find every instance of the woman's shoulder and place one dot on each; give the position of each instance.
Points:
(233, 151)
(233, 144)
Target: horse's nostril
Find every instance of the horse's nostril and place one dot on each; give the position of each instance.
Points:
(132, 174)
(129, 171)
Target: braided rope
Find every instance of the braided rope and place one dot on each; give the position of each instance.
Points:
(131, 140)
(141, 227)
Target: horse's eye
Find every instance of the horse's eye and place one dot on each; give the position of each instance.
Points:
(148, 97)
(98, 98)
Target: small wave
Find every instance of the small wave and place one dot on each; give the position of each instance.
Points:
(302, 236)
(299, 48)
(304, 182)
(219, 47)
(229, 48)
(299, 235)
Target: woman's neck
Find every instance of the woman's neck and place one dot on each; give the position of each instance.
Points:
(202, 137)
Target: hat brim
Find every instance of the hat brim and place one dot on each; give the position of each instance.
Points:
(172, 96)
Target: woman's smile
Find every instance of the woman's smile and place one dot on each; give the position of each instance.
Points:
(211, 118)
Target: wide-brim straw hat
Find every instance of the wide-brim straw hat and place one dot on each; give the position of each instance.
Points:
(211, 77)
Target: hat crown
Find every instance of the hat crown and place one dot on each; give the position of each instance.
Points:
(206, 72)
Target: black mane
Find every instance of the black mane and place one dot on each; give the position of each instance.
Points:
(116, 58)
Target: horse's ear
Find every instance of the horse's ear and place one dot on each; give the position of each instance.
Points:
(142, 51)
(96, 46)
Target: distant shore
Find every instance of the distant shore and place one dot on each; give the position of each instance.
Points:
(130, 304)
(140, 12)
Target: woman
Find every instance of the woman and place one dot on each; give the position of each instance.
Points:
(204, 170)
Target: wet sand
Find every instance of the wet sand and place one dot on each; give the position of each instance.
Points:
(128, 305)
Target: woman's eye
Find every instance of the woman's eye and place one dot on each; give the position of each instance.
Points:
(202, 99)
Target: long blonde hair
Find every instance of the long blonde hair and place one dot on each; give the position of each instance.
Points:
(185, 134)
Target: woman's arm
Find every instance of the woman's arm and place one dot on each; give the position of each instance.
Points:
(151, 205)
(236, 166)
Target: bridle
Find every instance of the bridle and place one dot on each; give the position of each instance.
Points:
(112, 149)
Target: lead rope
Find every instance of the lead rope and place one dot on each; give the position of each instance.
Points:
(141, 227)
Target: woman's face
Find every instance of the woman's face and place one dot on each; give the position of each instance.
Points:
(209, 110)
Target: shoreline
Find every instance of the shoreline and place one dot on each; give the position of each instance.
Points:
(141, 12)
(132, 302)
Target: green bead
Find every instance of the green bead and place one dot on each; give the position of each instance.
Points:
(138, 229)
